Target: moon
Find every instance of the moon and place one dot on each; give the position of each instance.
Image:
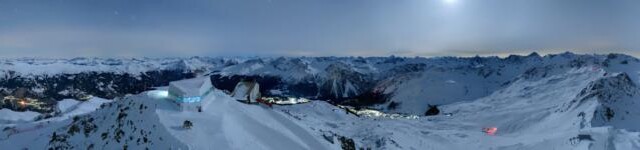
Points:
(450, 2)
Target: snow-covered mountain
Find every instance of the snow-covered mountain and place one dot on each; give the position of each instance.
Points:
(410, 84)
(561, 101)
(57, 79)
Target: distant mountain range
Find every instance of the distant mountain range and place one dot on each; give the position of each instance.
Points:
(558, 101)
(411, 84)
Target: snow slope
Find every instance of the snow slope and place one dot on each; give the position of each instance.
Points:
(229, 124)
(140, 122)
(529, 114)
(66, 109)
(69, 107)
(124, 124)
(10, 116)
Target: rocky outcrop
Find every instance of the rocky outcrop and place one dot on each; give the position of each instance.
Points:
(609, 89)
(616, 101)
(130, 123)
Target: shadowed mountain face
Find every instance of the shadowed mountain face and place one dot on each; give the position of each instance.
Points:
(105, 84)
(102, 84)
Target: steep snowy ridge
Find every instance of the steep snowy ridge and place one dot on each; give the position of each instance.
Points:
(451, 80)
(129, 123)
(340, 82)
(546, 125)
(611, 88)
(226, 123)
(526, 113)
(141, 122)
(618, 101)
(454, 80)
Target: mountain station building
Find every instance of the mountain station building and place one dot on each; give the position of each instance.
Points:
(189, 94)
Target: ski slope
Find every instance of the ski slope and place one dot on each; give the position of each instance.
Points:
(10, 116)
(228, 124)
(529, 114)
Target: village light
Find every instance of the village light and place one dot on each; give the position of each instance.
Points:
(22, 103)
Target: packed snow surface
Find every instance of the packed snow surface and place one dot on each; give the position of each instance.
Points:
(228, 124)
(71, 107)
(8, 116)
(526, 115)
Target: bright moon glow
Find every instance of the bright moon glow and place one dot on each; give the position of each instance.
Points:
(450, 2)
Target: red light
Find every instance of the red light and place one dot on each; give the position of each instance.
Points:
(490, 131)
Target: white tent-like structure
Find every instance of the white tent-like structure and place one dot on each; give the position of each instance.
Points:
(248, 91)
(188, 94)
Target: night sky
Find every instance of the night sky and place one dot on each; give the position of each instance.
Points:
(161, 28)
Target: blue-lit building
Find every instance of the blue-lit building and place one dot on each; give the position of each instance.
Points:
(189, 94)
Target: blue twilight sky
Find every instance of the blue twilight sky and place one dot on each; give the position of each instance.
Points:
(158, 28)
